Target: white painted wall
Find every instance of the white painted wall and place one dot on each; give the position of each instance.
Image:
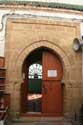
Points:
(33, 14)
(79, 2)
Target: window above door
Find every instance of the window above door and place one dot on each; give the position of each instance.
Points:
(35, 71)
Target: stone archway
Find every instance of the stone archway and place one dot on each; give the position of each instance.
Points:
(16, 70)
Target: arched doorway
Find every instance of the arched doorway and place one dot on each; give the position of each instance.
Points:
(41, 90)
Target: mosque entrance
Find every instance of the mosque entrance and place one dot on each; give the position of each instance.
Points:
(41, 90)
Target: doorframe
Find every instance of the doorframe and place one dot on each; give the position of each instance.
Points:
(45, 114)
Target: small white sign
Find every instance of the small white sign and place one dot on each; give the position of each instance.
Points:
(52, 73)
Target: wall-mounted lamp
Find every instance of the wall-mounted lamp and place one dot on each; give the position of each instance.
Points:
(77, 44)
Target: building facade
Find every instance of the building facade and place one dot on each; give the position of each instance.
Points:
(39, 34)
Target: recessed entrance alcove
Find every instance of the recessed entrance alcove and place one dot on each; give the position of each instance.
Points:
(41, 90)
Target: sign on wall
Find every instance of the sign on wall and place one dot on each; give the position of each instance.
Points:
(52, 73)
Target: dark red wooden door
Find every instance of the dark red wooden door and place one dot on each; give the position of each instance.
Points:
(24, 89)
(51, 84)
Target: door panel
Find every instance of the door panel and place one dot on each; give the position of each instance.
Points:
(51, 86)
(24, 89)
(51, 101)
(23, 97)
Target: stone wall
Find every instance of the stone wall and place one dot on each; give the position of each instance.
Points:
(25, 35)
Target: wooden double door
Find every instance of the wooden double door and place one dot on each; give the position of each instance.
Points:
(51, 91)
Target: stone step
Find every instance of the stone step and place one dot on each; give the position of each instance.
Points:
(39, 119)
(40, 123)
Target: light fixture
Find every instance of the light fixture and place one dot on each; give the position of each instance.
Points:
(76, 44)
